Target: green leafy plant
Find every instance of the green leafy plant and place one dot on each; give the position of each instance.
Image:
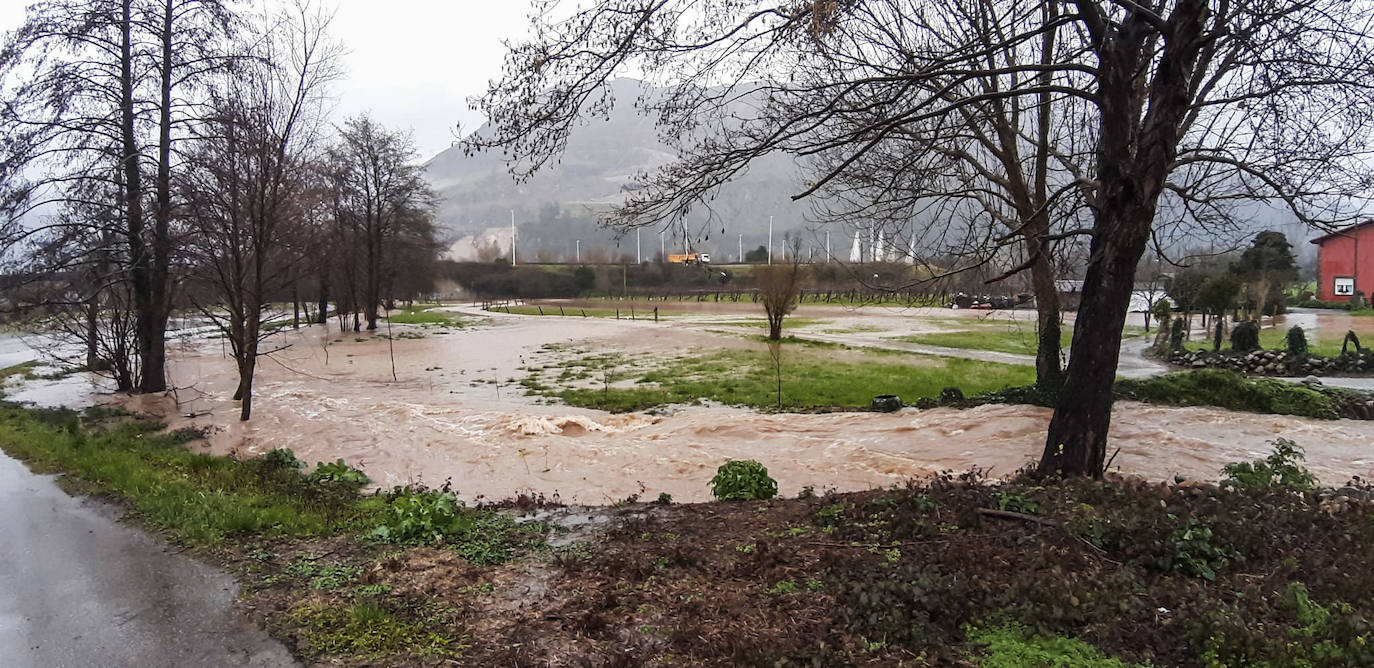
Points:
(1197, 551)
(1015, 502)
(738, 480)
(1281, 469)
(282, 459)
(338, 473)
(438, 518)
(422, 518)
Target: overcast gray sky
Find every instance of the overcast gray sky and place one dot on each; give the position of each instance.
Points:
(412, 63)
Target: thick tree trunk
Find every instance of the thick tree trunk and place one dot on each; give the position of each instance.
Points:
(1077, 440)
(1049, 375)
(245, 391)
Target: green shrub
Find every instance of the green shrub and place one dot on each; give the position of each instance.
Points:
(1245, 337)
(440, 519)
(1227, 389)
(1297, 341)
(1015, 646)
(282, 459)
(1319, 636)
(338, 473)
(740, 480)
(1176, 334)
(1281, 469)
(1197, 551)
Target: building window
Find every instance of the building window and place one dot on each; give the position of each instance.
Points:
(1344, 287)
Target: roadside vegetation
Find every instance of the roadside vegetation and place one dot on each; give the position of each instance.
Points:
(956, 570)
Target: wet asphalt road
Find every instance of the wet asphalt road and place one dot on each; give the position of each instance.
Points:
(77, 588)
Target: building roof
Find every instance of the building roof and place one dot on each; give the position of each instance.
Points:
(1343, 232)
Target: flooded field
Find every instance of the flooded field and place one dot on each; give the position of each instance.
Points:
(454, 411)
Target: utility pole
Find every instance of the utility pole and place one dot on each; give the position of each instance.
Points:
(740, 258)
(770, 240)
(579, 251)
(662, 248)
(639, 256)
(512, 237)
(827, 246)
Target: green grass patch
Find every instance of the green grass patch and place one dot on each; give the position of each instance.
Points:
(368, 630)
(811, 378)
(1014, 646)
(1319, 342)
(425, 315)
(199, 499)
(20, 370)
(999, 337)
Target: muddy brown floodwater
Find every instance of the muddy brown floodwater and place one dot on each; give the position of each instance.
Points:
(453, 413)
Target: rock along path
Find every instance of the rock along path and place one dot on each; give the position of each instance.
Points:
(77, 588)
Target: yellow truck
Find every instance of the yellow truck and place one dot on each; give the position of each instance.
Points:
(690, 258)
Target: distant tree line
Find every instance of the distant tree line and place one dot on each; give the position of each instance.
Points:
(158, 155)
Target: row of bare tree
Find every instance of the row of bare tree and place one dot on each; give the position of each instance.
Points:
(177, 153)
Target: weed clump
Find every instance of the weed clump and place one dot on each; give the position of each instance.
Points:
(742, 480)
(338, 474)
(438, 518)
(1281, 469)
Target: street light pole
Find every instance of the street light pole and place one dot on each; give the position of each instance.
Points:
(579, 251)
(770, 240)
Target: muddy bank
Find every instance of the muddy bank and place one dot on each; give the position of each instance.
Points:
(456, 413)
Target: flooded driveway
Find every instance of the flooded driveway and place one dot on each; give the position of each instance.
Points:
(80, 589)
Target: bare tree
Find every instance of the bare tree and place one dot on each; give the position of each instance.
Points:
(250, 183)
(1192, 106)
(102, 91)
(379, 194)
(778, 285)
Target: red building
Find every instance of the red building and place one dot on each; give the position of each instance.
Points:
(1345, 262)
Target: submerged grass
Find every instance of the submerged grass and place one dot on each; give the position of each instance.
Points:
(811, 379)
(425, 315)
(999, 337)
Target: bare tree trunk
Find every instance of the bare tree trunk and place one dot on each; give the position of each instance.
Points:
(322, 311)
(141, 273)
(247, 367)
(1077, 439)
(1049, 375)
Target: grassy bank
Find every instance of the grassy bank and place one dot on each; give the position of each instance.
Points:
(303, 544)
(813, 377)
(1027, 573)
